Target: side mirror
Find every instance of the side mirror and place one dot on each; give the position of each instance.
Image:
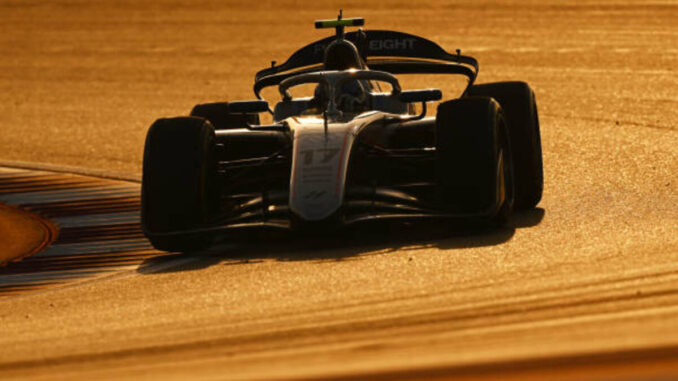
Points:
(247, 107)
(427, 95)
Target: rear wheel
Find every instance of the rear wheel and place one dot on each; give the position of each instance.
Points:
(520, 109)
(474, 165)
(217, 113)
(179, 188)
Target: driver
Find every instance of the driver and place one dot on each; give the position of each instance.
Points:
(343, 55)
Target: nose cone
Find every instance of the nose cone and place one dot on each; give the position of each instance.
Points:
(319, 165)
(320, 159)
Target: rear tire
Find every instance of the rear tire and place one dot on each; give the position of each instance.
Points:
(218, 114)
(473, 153)
(520, 109)
(178, 189)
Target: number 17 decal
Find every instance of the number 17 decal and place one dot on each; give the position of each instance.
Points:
(319, 155)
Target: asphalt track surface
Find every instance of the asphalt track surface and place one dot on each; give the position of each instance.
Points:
(585, 286)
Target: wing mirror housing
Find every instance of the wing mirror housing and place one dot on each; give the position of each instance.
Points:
(426, 95)
(247, 107)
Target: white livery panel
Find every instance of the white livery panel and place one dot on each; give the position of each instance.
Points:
(319, 165)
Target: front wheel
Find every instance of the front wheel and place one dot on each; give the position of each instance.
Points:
(474, 163)
(178, 189)
(520, 109)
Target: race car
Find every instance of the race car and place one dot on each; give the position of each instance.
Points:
(359, 149)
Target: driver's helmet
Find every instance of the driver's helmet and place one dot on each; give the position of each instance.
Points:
(343, 55)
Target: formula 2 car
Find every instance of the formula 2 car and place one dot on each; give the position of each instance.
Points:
(350, 153)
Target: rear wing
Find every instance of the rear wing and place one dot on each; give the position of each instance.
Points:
(393, 52)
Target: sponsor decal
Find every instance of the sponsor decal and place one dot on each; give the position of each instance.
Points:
(392, 44)
(314, 194)
(321, 155)
(378, 45)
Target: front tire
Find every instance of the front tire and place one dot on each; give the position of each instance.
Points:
(178, 189)
(520, 108)
(473, 154)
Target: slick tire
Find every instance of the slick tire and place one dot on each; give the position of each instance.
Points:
(473, 159)
(178, 189)
(520, 110)
(218, 114)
